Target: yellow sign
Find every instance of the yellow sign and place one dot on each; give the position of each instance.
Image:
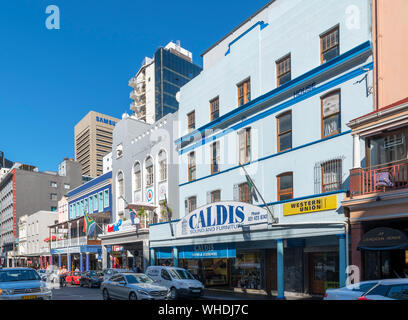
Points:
(311, 205)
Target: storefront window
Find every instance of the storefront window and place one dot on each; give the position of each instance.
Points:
(246, 271)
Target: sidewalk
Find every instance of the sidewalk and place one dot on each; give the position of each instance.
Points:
(214, 294)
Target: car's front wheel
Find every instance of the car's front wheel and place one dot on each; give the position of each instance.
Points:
(173, 294)
(132, 296)
(105, 294)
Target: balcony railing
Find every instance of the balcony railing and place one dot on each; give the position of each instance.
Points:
(80, 241)
(381, 178)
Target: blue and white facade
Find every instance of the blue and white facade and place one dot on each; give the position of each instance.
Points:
(73, 247)
(305, 250)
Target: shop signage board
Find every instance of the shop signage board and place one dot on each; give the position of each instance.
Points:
(310, 205)
(384, 239)
(222, 217)
(205, 251)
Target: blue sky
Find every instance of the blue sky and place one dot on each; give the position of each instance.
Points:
(50, 79)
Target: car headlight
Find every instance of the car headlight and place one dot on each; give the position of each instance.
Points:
(45, 289)
(6, 291)
(143, 292)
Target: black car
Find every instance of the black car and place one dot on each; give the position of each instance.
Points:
(91, 279)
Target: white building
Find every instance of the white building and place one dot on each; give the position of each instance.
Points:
(275, 95)
(37, 232)
(107, 163)
(63, 209)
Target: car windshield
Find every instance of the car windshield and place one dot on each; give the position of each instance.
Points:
(138, 278)
(18, 275)
(181, 274)
(96, 273)
(76, 274)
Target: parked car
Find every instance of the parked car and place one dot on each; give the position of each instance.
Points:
(91, 279)
(43, 274)
(350, 292)
(22, 284)
(110, 272)
(73, 277)
(179, 281)
(133, 286)
(390, 289)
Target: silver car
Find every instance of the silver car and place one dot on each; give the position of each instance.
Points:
(22, 284)
(133, 286)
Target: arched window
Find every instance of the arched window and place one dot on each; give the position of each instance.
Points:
(137, 176)
(149, 172)
(162, 158)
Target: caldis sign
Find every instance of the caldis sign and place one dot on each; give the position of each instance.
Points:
(222, 217)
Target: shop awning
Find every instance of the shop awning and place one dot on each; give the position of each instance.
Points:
(137, 206)
(383, 239)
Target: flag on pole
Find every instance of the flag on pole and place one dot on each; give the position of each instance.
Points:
(89, 224)
(252, 190)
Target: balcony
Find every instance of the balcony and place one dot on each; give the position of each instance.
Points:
(138, 106)
(80, 241)
(381, 178)
(133, 82)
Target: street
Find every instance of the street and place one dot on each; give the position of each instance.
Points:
(76, 293)
(82, 293)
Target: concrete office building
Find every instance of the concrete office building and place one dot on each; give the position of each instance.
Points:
(144, 174)
(93, 140)
(158, 81)
(282, 111)
(25, 190)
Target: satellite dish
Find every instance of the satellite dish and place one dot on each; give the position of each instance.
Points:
(178, 96)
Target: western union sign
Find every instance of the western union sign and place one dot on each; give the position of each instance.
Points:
(311, 205)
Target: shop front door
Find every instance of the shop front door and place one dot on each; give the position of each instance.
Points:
(324, 269)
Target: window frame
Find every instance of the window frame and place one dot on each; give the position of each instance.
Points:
(214, 105)
(212, 195)
(247, 195)
(247, 133)
(278, 189)
(189, 203)
(278, 63)
(322, 98)
(323, 36)
(246, 90)
(190, 166)
(278, 135)
(215, 145)
(322, 174)
(190, 124)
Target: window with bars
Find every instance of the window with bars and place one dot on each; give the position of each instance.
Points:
(283, 70)
(284, 124)
(191, 121)
(215, 108)
(285, 186)
(244, 145)
(328, 175)
(191, 166)
(331, 111)
(244, 92)
(330, 44)
(215, 157)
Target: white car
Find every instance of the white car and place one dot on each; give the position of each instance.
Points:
(350, 292)
(391, 289)
(180, 281)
